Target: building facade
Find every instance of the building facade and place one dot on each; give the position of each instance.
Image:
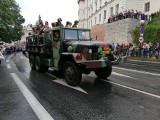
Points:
(26, 31)
(93, 12)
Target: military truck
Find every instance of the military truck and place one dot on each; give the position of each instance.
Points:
(72, 53)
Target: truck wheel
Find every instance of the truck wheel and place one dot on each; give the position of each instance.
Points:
(72, 74)
(38, 64)
(32, 62)
(104, 73)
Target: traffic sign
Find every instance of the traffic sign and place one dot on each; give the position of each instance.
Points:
(141, 39)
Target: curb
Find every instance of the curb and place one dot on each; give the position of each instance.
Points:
(142, 61)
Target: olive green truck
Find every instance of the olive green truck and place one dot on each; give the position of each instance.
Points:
(72, 53)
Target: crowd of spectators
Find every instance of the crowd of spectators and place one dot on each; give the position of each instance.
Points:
(155, 14)
(6, 50)
(146, 50)
(132, 14)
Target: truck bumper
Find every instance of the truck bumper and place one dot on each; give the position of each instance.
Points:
(94, 64)
(102, 62)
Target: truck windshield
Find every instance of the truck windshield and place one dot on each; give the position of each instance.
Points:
(84, 35)
(76, 34)
(71, 34)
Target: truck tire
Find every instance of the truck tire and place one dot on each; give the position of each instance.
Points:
(38, 64)
(32, 62)
(72, 74)
(104, 73)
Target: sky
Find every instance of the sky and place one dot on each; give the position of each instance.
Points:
(49, 10)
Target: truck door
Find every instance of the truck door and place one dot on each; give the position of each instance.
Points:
(56, 47)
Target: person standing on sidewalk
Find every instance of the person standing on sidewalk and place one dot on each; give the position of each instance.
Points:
(157, 50)
(1, 55)
(150, 50)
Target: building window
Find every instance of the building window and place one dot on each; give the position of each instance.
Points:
(99, 17)
(147, 6)
(91, 10)
(100, 3)
(117, 9)
(96, 6)
(95, 20)
(111, 11)
(105, 13)
(91, 23)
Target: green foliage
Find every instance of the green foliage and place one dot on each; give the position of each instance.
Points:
(136, 32)
(152, 32)
(10, 21)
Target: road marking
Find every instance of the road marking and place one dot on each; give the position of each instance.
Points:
(52, 75)
(39, 110)
(130, 88)
(62, 82)
(137, 65)
(7, 61)
(8, 66)
(115, 73)
(131, 70)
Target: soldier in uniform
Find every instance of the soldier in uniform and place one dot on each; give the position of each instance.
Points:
(47, 29)
(75, 23)
(68, 24)
(39, 26)
(56, 38)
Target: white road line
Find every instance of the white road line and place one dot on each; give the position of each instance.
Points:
(137, 65)
(131, 70)
(8, 66)
(143, 92)
(7, 61)
(52, 75)
(62, 82)
(115, 73)
(34, 103)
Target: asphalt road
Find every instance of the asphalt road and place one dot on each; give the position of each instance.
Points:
(132, 92)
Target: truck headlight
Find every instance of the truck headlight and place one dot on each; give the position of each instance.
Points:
(79, 56)
(70, 49)
(90, 51)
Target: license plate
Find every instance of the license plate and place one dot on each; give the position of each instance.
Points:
(105, 52)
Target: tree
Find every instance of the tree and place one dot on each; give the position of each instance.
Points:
(10, 21)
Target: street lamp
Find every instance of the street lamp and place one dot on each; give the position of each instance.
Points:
(142, 22)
